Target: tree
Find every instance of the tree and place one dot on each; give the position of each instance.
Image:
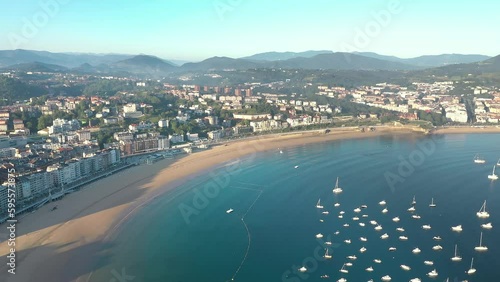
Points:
(44, 121)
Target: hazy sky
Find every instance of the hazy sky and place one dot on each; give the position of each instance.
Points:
(198, 29)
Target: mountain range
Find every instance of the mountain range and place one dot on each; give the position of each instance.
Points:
(27, 60)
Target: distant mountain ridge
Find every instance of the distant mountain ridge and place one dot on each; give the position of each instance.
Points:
(430, 60)
(281, 56)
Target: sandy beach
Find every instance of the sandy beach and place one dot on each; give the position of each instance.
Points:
(62, 245)
(466, 129)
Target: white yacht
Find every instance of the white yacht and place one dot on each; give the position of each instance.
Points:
(363, 239)
(328, 243)
(498, 162)
(432, 204)
(426, 227)
(355, 218)
(428, 262)
(229, 211)
(369, 269)
(336, 205)
(385, 210)
(481, 248)
(457, 228)
(384, 236)
(365, 215)
(437, 248)
(340, 216)
(378, 227)
(433, 273)
(342, 212)
(411, 209)
(382, 203)
(296, 166)
(357, 210)
(326, 255)
(321, 220)
(415, 280)
(325, 212)
(403, 238)
(416, 251)
(318, 204)
(336, 232)
(352, 257)
(413, 202)
(471, 270)
(319, 235)
(377, 261)
(478, 159)
(436, 238)
(348, 264)
(362, 250)
(405, 267)
(337, 189)
(456, 257)
(361, 224)
(343, 270)
(325, 276)
(400, 229)
(303, 269)
(396, 219)
(373, 222)
(392, 249)
(348, 241)
(386, 278)
(346, 224)
(493, 176)
(487, 225)
(342, 280)
(364, 206)
(416, 216)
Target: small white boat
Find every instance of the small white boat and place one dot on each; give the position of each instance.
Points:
(365, 215)
(346, 224)
(319, 235)
(386, 278)
(229, 211)
(415, 280)
(416, 216)
(493, 176)
(432, 204)
(343, 270)
(340, 216)
(325, 212)
(403, 238)
(281, 152)
(400, 229)
(411, 209)
(396, 219)
(296, 166)
(321, 220)
(392, 249)
(342, 279)
(303, 269)
(378, 227)
(362, 250)
(348, 264)
(373, 222)
(342, 212)
(382, 203)
(437, 248)
(364, 206)
(456, 257)
(355, 218)
(325, 276)
(429, 262)
(336, 205)
(487, 225)
(369, 269)
(326, 255)
(416, 251)
(361, 224)
(426, 227)
(481, 248)
(352, 257)
(363, 239)
(498, 162)
(336, 232)
(384, 236)
(436, 238)
(347, 241)
(385, 210)
(318, 204)
(471, 270)
(405, 267)
(413, 202)
(377, 261)
(457, 228)
(357, 210)
(328, 243)
(478, 159)
(337, 189)
(433, 273)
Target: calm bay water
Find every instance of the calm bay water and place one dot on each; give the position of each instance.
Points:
(278, 204)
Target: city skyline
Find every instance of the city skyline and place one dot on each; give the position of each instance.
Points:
(237, 28)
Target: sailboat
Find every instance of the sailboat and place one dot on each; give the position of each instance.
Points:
(456, 257)
(482, 213)
(432, 204)
(337, 189)
(478, 159)
(481, 248)
(493, 176)
(498, 162)
(413, 202)
(327, 256)
(318, 205)
(343, 270)
(471, 270)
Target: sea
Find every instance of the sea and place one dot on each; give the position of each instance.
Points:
(187, 235)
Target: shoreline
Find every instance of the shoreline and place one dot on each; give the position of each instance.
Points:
(88, 220)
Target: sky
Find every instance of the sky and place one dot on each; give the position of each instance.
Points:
(194, 30)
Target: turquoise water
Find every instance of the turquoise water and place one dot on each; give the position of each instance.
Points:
(277, 203)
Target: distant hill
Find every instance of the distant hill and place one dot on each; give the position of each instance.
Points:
(220, 63)
(429, 60)
(281, 56)
(144, 64)
(36, 67)
(14, 89)
(490, 66)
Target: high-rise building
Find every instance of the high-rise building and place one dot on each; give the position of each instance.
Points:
(237, 92)
(248, 92)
